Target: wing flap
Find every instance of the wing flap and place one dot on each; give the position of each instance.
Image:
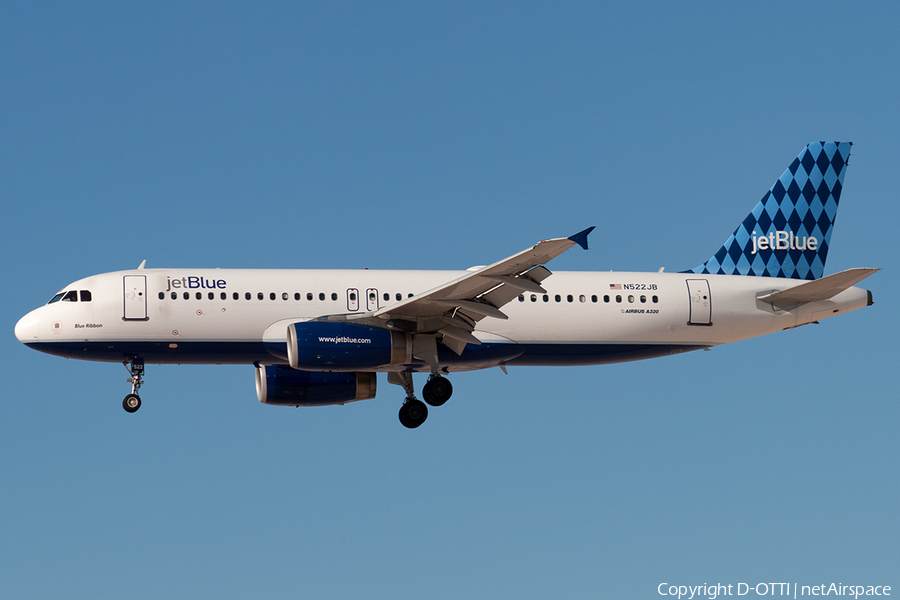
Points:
(519, 283)
(454, 344)
(479, 309)
(819, 289)
(459, 334)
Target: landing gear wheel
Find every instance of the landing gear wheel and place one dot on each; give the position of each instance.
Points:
(413, 413)
(131, 403)
(135, 366)
(437, 390)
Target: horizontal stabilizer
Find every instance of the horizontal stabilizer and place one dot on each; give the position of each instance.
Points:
(820, 289)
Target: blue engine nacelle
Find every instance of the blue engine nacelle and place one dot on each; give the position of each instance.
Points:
(336, 346)
(284, 386)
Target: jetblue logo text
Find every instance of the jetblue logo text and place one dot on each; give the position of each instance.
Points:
(782, 240)
(194, 283)
(344, 340)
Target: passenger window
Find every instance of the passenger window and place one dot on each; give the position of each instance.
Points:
(533, 298)
(643, 299)
(655, 299)
(199, 296)
(247, 296)
(85, 296)
(271, 295)
(235, 296)
(631, 298)
(606, 298)
(297, 296)
(70, 296)
(321, 296)
(187, 296)
(223, 296)
(558, 298)
(211, 296)
(581, 298)
(521, 298)
(387, 296)
(309, 296)
(259, 295)
(569, 298)
(174, 295)
(546, 298)
(399, 296)
(594, 298)
(409, 295)
(618, 298)
(162, 295)
(352, 297)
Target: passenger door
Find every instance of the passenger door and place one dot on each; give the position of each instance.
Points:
(701, 302)
(135, 298)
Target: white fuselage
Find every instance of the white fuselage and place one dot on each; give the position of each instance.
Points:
(240, 316)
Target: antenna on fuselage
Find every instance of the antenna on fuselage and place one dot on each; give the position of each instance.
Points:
(141, 266)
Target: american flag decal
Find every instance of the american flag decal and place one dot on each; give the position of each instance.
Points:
(615, 286)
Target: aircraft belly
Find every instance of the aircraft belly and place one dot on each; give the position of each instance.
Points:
(159, 352)
(595, 354)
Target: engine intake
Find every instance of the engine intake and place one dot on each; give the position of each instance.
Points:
(318, 345)
(283, 386)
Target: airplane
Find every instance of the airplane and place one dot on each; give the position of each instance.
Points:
(318, 337)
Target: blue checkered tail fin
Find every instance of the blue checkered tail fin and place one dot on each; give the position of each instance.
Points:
(787, 234)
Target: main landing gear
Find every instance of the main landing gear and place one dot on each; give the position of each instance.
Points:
(135, 367)
(414, 412)
(437, 390)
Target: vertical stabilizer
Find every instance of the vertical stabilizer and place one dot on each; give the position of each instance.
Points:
(788, 232)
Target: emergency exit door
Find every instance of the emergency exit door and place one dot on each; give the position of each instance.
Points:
(371, 299)
(701, 302)
(135, 297)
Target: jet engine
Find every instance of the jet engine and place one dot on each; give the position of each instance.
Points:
(336, 346)
(284, 386)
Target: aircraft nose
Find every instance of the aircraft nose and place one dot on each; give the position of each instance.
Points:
(27, 328)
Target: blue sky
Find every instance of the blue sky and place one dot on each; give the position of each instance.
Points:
(415, 135)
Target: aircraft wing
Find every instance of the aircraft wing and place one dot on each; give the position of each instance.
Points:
(454, 308)
(819, 289)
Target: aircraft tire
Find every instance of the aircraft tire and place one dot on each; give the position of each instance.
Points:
(437, 391)
(413, 413)
(131, 403)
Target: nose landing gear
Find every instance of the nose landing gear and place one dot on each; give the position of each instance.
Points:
(135, 367)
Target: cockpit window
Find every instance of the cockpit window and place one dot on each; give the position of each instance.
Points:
(71, 296)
